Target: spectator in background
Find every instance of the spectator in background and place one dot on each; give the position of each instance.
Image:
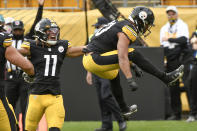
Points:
(2, 22)
(8, 24)
(107, 102)
(192, 87)
(16, 88)
(173, 37)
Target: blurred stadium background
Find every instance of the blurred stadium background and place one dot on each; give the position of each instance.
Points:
(70, 16)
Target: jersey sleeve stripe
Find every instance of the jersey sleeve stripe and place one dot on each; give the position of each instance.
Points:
(7, 42)
(134, 33)
(131, 34)
(69, 44)
(25, 44)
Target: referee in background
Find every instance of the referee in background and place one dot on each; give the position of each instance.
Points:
(173, 37)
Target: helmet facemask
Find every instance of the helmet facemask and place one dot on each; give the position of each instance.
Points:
(53, 35)
(147, 29)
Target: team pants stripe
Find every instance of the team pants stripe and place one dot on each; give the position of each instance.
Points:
(11, 115)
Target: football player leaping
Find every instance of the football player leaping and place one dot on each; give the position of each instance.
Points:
(108, 50)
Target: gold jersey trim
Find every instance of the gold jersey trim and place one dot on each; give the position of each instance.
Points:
(69, 45)
(131, 34)
(7, 42)
(25, 44)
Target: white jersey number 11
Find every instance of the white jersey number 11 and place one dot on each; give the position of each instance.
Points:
(48, 58)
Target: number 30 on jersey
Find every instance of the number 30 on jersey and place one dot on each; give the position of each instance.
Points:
(105, 28)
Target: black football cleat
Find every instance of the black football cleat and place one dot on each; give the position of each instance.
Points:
(173, 76)
(132, 109)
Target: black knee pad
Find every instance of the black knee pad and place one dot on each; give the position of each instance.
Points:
(54, 129)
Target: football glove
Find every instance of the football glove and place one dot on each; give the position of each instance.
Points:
(133, 86)
(28, 78)
(137, 70)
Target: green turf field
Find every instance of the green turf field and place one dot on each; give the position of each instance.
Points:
(135, 126)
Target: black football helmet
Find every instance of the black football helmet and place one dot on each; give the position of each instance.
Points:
(47, 31)
(143, 18)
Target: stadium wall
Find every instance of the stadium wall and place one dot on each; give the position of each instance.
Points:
(48, 3)
(73, 24)
(80, 99)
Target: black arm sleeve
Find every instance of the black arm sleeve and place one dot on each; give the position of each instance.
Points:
(181, 40)
(38, 18)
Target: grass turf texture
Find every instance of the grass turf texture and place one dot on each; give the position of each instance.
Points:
(134, 126)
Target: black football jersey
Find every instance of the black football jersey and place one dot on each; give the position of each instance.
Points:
(47, 62)
(106, 39)
(5, 41)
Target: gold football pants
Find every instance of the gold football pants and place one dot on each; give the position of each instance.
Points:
(8, 120)
(103, 65)
(50, 105)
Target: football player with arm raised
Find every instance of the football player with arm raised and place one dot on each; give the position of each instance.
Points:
(47, 53)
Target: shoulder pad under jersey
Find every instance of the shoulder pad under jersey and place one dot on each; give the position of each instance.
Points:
(27, 42)
(5, 39)
(129, 32)
(64, 42)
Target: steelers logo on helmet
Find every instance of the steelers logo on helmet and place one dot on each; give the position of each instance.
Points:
(60, 49)
(143, 19)
(143, 15)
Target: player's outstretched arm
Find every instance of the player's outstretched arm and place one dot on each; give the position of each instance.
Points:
(75, 51)
(41, 2)
(17, 59)
(124, 63)
(122, 47)
(37, 19)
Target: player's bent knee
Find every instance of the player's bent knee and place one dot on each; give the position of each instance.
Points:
(54, 129)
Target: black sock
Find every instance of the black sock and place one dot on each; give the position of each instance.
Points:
(137, 58)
